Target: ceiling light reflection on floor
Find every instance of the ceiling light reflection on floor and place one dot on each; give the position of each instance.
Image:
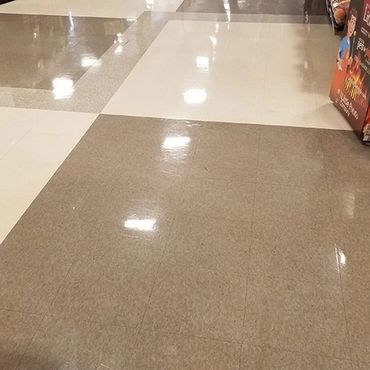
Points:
(202, 63)
(213, 40)
(341, 258)
(118, 50)
(195, 96)
(140, 224)
(62, 88)
(175, 142)
(89, 61)
(149, 4)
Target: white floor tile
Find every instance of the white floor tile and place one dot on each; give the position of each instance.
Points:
(267, 73)
(90, 8)
(45, 139)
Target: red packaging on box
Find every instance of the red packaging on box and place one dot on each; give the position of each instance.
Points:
(350, 90)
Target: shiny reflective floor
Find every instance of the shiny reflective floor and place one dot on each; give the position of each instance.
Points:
(177, 191)
(255, 72)
(49, 51)
(297, 7)
(91, 8)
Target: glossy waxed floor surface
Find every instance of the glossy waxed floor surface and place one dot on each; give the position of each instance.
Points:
(52, 52)
(246, 72)
(163, 244)
(294, 7)
(168, 243)
(91, 8)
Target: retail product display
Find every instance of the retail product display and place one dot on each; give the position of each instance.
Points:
(350, 89)
(338, 10)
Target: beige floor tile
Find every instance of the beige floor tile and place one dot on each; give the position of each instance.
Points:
(350, 207)
(166, 351)
(355, 275)
(347, 162)
(265, 358)
(226, 155)
(16, 332)
(298, 259)
(94, 9)
(209, 243)
(291, 168)
(360, 366)
(198, 302)
(297, 316)
(289, 208)
(110, 290)
(277, 139)
(357, 312)
(229, 200)
(29, 280)
(125, 137)
(107, 222)
(68, 344)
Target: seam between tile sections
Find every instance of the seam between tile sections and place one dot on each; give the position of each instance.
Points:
(189, 335)
(85, 98)
(349, 344)
(250, 248)
(44, 316)
(139, 326)
(325, 159)
(296, 352)
(30, 342)
(21, 138)
(247, 17)
(166, 244)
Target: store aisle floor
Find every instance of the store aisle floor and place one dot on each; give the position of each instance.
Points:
(177, 191)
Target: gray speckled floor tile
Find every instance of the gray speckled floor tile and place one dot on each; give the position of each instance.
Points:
(267, 358)
(160, 351)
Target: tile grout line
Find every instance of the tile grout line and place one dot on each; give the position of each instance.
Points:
(45, 315)
(247, 278)
(139, 326)
(336, 250)
(266, 345)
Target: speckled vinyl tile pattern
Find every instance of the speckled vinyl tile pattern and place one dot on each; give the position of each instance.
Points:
(140, 253)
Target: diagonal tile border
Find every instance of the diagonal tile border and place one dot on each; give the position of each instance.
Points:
(33, 144)
(95, 88)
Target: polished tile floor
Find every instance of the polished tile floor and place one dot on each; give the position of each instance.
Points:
(177, 191)
(288, 69)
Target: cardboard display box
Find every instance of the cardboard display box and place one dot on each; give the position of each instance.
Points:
(350, 90)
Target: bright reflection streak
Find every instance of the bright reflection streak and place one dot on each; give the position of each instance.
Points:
(203, 63)
(71, 23)
(149, 4)
(88, 61)
(62, 88)
(195, 96)
(120, 37)
(213, 40)
(341, 258)
(141, 224)
(118, 50)
(175, 142)
(349, 202)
